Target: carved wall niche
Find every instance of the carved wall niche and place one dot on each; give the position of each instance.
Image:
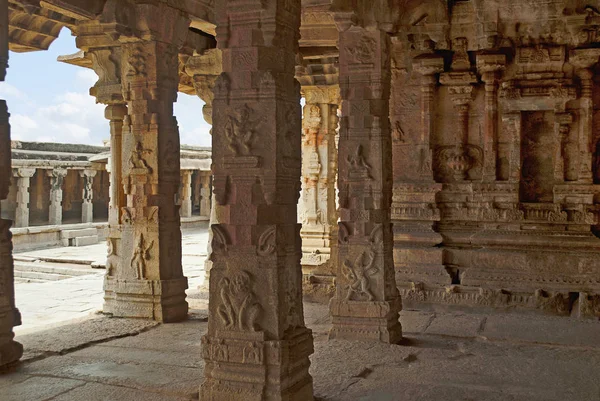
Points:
(537, 157)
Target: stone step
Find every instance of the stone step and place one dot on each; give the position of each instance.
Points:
(82, 232)
(84, 241)
(67, 270)
(21, 280)
(40, 276)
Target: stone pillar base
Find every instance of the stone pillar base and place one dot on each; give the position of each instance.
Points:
(364, 321)
(87, 212)
(10, 350)
(244, 365)
(161, 300)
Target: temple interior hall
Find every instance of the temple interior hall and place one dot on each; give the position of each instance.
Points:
(400, 201)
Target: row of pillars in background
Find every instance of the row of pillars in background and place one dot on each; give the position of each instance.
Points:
(57, 176)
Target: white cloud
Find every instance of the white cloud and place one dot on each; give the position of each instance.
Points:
(9, 92)
(86, 77)
(74, 117)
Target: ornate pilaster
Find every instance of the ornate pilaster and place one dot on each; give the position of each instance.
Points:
(23, 176)
(584, 61)
(87, 207)
(10, 350)
(366, 304)
(490, 66)
(257, 345)
(186, 194)
(417, 255)
(57, 178)
(317, 209)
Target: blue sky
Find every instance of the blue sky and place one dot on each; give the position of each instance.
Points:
(49, 101)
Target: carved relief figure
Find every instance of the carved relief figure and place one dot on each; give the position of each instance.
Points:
(240, 308)
(359, 168)
(141, 255)
(363, 51)
(358, 275)
(113, 260)
(137, 161)
(239, 130)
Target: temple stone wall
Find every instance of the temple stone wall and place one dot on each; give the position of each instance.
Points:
(495, 201)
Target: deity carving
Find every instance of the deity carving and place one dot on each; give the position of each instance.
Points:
(113, 261)
(240, 129)
(363, 51)
(358, 275)
(141, 255)
(137, 159)
(359, 168)
(239, 309)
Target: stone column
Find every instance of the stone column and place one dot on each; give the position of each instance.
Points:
(186, 194)
(23, 176)
(367, 303)
(490, 66)
(10, 350)
(87, 207)
(204, 70)
(149, 283)
(317, 209)
(205, 196)
(257, 345)
(57, 178)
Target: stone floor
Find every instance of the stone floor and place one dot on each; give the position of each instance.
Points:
(48, 304)
(445, 356)
(73, 353)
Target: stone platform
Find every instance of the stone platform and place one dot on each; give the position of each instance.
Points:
(449, 356)
(49, 303)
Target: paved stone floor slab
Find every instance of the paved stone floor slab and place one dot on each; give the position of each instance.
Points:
(164, 363)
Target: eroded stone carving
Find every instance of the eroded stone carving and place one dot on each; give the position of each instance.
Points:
(141, 255)
(240, 308)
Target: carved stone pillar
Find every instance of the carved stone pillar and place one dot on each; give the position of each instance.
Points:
(205, 196)
(186, 194)
(149, 282)
(87, 207)
(366, 304)
(57, 178)
(317, 209)
(23, 176)
(257, 345)
(10, 350)
(204, 70)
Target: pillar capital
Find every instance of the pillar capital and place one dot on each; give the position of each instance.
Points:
(57, 173)
(329, 94)
(23, 172)
(88, 173)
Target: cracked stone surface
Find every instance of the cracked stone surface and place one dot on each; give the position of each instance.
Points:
(445, 355)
